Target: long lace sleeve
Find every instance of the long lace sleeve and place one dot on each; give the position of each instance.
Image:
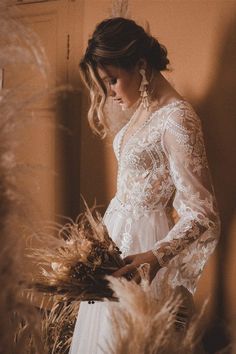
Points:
(195, 234)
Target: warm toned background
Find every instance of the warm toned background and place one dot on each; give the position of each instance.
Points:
(201, 40)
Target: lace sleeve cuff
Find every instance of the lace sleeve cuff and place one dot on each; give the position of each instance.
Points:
(189, 232)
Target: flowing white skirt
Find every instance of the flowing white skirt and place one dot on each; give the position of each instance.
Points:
(92, 330)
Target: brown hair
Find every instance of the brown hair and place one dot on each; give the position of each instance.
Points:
(119, 42)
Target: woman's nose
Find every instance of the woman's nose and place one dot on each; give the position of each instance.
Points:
(111, 92)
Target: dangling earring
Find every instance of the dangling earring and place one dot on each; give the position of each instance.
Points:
(143, 90)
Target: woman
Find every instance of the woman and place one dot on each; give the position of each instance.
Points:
(161, 158)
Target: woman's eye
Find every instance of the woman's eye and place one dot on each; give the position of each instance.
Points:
(112, 81)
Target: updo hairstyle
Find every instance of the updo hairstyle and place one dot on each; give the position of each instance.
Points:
(119, 42)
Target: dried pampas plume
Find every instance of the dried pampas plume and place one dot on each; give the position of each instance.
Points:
(143, 324)
(119, 8)
(19, 320)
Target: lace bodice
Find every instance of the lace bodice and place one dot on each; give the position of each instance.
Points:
(144, 181)
(164, 158)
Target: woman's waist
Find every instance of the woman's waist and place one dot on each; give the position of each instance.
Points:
(135, 208)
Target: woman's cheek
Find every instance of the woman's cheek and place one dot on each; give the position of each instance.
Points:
(118, 90)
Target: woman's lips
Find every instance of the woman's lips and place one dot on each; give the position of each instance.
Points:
(118, 100)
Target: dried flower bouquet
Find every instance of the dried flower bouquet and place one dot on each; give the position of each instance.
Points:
(76, 260)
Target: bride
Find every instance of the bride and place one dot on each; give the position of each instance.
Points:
(161, 162)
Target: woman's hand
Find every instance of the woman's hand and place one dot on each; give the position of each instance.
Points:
(132, 264)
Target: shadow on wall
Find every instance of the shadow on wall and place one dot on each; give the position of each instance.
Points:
(218, 112)
(68, 154)
(93, 174)
(80, 159)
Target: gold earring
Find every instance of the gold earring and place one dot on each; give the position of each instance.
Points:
(143, 90)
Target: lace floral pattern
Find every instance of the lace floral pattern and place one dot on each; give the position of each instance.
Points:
(167, 156)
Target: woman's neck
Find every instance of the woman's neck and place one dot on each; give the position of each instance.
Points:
(160, 91)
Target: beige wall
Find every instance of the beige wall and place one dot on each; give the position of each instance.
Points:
(200, 37)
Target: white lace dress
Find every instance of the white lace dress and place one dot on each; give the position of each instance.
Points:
(164, 160)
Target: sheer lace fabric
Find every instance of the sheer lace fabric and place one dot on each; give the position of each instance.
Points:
(168, 156)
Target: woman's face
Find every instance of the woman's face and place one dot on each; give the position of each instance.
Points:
(122, 85)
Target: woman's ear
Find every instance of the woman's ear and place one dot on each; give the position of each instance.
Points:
(142, 64)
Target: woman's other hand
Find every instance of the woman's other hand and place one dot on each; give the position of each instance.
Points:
(130, 270)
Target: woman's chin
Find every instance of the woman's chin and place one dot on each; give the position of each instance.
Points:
(124, 106)
(128, 105)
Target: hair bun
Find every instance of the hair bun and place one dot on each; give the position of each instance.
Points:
(157, 54)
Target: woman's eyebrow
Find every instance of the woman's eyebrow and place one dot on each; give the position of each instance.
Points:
(104, 77)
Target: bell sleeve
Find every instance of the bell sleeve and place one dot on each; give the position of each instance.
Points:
(194, 236)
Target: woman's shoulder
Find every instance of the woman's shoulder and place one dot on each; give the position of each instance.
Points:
(178, 107)
(181, 114)
(178, 110)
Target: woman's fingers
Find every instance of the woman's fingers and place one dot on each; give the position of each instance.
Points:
(136, 277)
(129, 259)
(128, 268)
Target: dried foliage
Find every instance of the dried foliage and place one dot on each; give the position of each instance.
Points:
(76, 259)
(119, 8)
(58, 326)
(18, 45)
(143, 324)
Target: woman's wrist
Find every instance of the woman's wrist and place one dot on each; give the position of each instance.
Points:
(158, 257)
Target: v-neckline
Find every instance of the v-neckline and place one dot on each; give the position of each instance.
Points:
(148, 119)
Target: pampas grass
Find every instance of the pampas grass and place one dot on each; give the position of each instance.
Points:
(143, 324)
(119, 8)
(18, 46)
